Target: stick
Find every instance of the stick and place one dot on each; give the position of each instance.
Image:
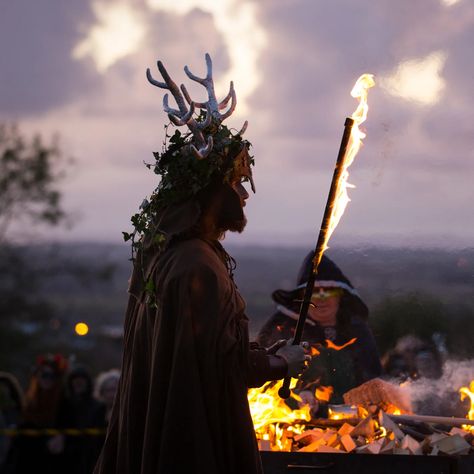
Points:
(329, 423)
(438, 420)
(284, 391)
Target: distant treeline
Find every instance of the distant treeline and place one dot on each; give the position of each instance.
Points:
(419, 291)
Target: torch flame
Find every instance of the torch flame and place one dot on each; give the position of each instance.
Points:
(359, 91)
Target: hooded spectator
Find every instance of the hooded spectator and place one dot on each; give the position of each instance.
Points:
(11, 407)
(40, 454)
(337, 317)
(413, 358)
(106, 385)
(79, 410)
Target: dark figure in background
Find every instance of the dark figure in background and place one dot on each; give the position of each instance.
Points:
(41, 454)
(182, 406)
(412, 358)
(336, 314)
(105, 388)
(79, 410)
(420, 362)
(11, 408)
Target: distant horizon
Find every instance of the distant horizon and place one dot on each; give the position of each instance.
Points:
(400, 241)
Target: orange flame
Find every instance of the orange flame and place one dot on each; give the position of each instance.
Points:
(331, 345)
(269, 412)
(468, 392)
(314, 351)
(359, 91)
(324, 393)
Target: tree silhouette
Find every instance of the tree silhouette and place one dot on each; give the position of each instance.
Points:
(29, 175)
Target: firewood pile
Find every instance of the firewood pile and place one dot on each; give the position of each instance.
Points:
(381, 422)
(379, 434)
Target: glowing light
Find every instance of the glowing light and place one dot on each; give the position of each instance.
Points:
(118, 33)
(324, 393)
(242, 35)
(418, 80)
(81, 329)
(270, 414)
(331, 345)
(359, 91)
(314, 351)
(449, 3)
(468, 392)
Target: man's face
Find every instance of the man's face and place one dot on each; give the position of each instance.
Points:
(46, 378)
(325, 305)
(108, 390)
(427, 365)
(238, 187)
(232, 216)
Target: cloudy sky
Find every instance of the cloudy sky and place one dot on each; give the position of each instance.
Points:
(78, 69)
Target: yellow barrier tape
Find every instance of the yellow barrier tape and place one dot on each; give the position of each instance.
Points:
(52, 432)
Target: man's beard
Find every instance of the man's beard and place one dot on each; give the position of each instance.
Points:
(231, 214)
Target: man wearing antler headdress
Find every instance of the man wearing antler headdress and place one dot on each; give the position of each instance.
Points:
(182, 400)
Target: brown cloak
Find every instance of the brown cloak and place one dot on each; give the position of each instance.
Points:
(182, 401)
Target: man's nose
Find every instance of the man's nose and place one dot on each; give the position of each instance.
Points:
(243, 192)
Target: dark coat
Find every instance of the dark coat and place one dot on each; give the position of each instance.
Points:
(343, 369)
(182, 402)
(81, 412)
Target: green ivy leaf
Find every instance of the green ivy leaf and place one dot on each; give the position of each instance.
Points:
(150, 286)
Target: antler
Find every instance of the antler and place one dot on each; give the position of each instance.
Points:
(183, 116)
(212, 105)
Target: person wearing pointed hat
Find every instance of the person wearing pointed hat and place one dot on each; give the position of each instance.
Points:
(181, 405)
(336, 314)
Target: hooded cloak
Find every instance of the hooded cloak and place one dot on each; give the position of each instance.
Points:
(341, 369)
(182, 402)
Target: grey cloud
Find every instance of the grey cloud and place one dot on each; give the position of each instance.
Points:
(413, 174)
(36, 69)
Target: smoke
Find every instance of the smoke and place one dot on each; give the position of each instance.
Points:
(441, 396)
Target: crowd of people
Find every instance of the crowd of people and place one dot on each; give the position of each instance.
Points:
(58, 424)
(62, 397)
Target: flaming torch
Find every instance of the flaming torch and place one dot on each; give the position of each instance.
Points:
(337, 198)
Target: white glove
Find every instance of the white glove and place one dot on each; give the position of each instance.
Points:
(294, 356)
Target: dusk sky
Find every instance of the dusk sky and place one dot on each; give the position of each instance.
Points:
(78, 69)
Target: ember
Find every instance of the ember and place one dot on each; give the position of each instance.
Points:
(331, 344)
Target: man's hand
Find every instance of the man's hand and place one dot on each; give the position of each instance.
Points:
(295, 357)
(275, 346)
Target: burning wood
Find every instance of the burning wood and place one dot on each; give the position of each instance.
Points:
(370, 429)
